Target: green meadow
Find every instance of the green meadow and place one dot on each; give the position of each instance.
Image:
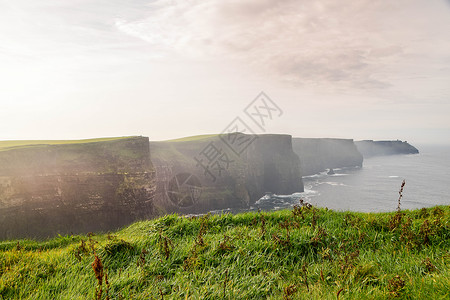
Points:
(304, 253)
(7, 145)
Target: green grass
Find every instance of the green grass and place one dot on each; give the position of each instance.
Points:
(103, 155)
(300, 254)
(193, 138)
(6, 145)
(27, 143)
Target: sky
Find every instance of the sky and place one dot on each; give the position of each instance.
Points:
(362, 69)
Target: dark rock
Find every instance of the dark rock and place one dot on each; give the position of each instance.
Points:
(267, 164)
(100, 186)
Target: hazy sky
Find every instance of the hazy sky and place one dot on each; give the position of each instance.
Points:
(170, 68)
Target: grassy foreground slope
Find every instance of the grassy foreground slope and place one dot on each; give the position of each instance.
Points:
(300, 254)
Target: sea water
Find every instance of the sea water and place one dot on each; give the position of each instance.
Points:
(375, 186)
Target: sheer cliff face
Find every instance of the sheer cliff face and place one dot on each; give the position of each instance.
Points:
(371, 148)
(317, 155)
(74, 188)
(273, 167)
(100, 186)
(221, 172)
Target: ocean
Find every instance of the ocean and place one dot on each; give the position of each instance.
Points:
(375, 186)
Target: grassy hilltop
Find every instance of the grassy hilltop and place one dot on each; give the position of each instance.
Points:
(63, 156)
(300, 254)
(7, 145)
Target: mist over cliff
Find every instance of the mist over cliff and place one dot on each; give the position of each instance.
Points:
(238, 177)
(72, 188)
(99, 186)
(369, 148)
(319, 154)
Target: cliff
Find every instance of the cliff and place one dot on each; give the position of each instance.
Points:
(202, 173)
(369, 148)
(318, 154)
(74, 187)
(52, 187)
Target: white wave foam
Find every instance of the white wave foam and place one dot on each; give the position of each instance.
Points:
(334, 183)
(308, 191)
(338, 174)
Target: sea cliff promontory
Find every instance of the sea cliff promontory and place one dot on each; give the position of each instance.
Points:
(63, 187)
(369, 148)
(197, 174)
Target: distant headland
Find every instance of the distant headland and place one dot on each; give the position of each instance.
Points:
(369, 148)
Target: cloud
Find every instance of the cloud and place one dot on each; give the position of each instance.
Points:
(362, 45)
(301, 42)
(50, 29)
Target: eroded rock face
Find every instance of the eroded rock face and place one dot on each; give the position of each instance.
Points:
(318, 155)
(369, 148)
(189, 182)
(75, 188)
(274, 166)
(100, 186)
